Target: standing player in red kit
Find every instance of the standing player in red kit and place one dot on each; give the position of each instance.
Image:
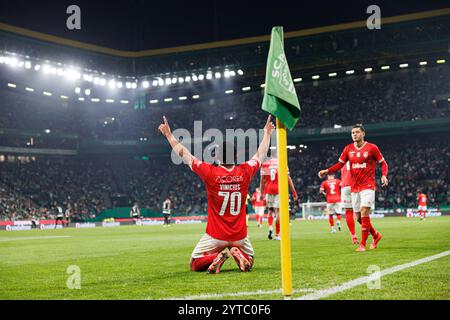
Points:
(227, 188)
(269, 189)
(259, 204)
(363, 157)
(331, 189)
(346, 201)
(422, 199)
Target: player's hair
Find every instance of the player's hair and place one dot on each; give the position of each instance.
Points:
(359, 126)
(226, 153)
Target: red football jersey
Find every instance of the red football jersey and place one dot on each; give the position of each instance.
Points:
(422, 198)
(363, 162)
(227, 191)
(269, 172)
(257, 200)
(345, 175)
(332, 188)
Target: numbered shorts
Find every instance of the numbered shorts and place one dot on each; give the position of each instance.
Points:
(422, 208)
(272, 201)
(346, 198)
(364, 198)
(334, 208)
(209, 245)
(260, 211)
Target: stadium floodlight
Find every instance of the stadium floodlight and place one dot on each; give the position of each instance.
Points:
(404, 65)
(291, 147)
(64, 97)
(29, 89)
(77, 90)
(368, 70)
(128, 85)
(155, 83)
(60, 72)
(72, 74)
(96, 80)
(109, 100)
(263, 85)
(246, 88)
(332, 74)
(316, 77)
(182, 98)
(2, 59)
(201, 77)
(102, 81)
(80, 98)
(240, 72)
(195, 96)
(95, 99)
(187, 79)
(194, 77)
(440, 61)
(226, 74)
(53, 70)
(209, 76)
(154, 101)
(21, 64)
(229, 91)
(46, 93)
(160, 82)
(46, 69)
(385, 67)
(168, 81)
(13, 62)
(145, 84)
(87, 92)
(174, 80)
(232, 73)
(168, 99)
(27, 65)
(423, 63)
(297, 79)
(124, 101)
(12, 85)
(87, 77)
(112, 84)
(37, 67)
(134, 85)
(350, 72)
(217, 75)
(47, 131)
(119, 85)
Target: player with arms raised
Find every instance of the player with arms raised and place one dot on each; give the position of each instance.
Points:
(227, 188)
(363, 157)
(331, 189)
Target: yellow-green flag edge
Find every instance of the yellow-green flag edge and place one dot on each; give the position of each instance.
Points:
(280, 98)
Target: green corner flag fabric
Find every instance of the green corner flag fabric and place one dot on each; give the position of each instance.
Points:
(280, 98)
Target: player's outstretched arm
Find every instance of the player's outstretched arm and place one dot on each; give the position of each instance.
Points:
(332, 169)
(265, 143)
(291, 185)
(181, 150)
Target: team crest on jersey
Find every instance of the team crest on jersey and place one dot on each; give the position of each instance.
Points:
(365, 154)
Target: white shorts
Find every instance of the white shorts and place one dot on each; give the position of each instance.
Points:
(272, 201)
(260, 211)
(364, 198)
(334, 208)
(209, 245)
(422, 208)
(346, 198)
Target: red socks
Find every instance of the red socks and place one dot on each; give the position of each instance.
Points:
(270, 221)
(202, 264)
(277, 228)
(331, 220)
(350, 221)
(365, 229)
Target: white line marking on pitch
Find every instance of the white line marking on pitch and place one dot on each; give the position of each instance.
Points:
(33, 238)
(237, 294)
(363, 280)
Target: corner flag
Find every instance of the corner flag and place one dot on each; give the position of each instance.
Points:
(280, 98)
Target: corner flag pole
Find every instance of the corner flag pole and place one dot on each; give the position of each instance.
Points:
(286, 265)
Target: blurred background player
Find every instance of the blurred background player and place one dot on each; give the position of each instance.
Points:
(227, 187)
(59, 216)
(269, 190)
(422, 199)
(331, 189)
(68, 215)
(167, 211)
(259, 204)
(135, 213)
(346, 201)
(363, 157)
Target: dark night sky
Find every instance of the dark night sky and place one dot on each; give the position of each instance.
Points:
(139, 24)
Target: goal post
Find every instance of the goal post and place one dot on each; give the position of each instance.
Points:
(312, 209)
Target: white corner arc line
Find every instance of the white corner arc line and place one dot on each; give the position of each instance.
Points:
(363, 280)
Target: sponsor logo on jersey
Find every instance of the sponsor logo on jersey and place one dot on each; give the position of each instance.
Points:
(359, 165)
(229, 179)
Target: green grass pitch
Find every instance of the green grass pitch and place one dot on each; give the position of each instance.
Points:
(152, 262)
